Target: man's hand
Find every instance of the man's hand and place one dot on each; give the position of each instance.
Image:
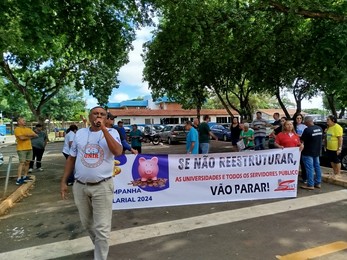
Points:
(133, 151)
(64, 191)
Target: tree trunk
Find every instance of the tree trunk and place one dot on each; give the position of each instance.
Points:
(198, 113)
(224, 104)
(331, 103)
(342, 113)
(283, 107)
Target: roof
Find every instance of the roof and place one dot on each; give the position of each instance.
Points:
(129, 103)
(169, 113)
(270, 112)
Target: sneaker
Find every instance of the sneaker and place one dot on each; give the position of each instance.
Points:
(40, 169)
(30, 170)
(305, 187)
(19, 181)
(318, 186)
(26, 179)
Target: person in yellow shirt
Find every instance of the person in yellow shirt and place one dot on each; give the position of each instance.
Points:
(334, 139)
(23, 136)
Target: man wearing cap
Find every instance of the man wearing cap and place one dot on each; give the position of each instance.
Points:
(121, 130)
(92, 154)
(109, 123)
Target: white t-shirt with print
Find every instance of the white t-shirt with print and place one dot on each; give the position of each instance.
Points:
(68, 138)
(94, 160)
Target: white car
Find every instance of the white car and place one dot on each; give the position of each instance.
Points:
(2, 138)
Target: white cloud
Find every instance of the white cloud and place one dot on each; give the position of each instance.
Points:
(91, 102)
(130, 74)
(119, 97)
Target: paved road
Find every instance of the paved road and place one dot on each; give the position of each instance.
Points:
(42, 226)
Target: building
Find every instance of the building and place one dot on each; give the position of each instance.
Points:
(161, 111)
(165, 111)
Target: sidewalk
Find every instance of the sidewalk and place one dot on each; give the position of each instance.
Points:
(340, 182)
(14, 193)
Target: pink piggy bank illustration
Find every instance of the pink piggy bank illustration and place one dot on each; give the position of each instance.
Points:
(148, 169)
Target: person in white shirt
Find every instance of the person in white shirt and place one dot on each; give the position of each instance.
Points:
(92, 155)
(70, 135)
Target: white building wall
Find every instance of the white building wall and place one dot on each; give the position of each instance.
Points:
(139, 120)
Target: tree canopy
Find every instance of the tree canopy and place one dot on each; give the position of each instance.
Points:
(48, 45)
(235, 48)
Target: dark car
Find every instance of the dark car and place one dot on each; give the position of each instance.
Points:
(173, 133)
(343, 157)
(222, 131)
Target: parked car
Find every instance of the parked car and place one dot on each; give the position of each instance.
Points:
(173, 133)
(2, 138)
(153, 128)
(1, 159)
(323, 125)
(222, 131)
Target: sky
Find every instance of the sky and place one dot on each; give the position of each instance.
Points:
(130, 75)
(132, 85)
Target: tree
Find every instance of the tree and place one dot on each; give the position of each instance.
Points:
(47, 45)
(67, 105)
(244, 47)
(12, 103)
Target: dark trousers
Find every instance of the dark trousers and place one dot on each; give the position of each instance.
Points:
(137, 148)
(71, 178)
(37, 153)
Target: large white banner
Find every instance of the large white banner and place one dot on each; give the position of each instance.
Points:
(149, 180)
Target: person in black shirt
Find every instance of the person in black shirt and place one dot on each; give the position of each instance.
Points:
(235, 131)
(312, 139)
(276, 117)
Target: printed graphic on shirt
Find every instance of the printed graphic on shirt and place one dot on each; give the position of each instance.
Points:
(93, 155)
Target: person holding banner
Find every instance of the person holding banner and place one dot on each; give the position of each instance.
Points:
(192, 143)
(288, 137)
(92, 154)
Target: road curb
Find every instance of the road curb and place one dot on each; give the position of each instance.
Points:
(340, 182)
(16, 196)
